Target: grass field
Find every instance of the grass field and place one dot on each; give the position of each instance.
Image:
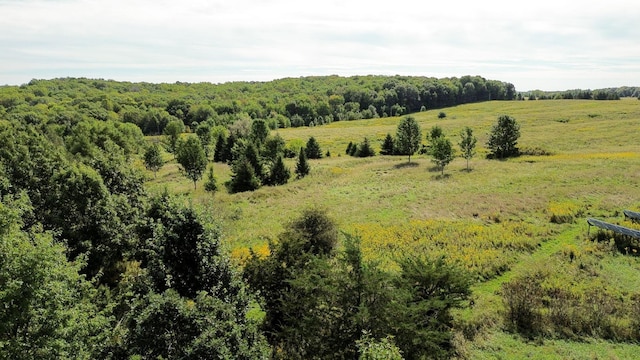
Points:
(502, 219)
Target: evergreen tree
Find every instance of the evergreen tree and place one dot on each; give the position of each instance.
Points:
(313, 149)
(211, 184)
(388, 146)
(243, 178)
(302, 165)
(250, 153)
(220, 151)
(365, 149)
(279, 174)
(349, 148)
(153, 159)
(467, 144)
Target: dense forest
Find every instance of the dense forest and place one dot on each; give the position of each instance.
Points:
(283, 103)
(93, 266)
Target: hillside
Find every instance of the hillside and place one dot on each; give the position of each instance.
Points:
(361, 253)
(581, 159)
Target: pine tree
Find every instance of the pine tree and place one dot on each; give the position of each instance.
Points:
(220, 150)
(243, 178)
(211, 184)
(313, 149)
(279, 174)
(388, 146)
(302, 166)
(365, 149)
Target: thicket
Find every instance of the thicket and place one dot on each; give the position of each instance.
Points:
(93, 267)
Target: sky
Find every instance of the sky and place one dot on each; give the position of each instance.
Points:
(538, 44)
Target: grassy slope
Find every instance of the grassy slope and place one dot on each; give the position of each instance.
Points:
(595, 163)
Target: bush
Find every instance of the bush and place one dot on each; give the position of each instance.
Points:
(442, 115)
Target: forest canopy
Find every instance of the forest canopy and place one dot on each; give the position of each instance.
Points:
(304, 101)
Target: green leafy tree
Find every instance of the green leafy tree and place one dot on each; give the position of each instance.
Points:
(286, 280)
(503, 138)
(467, 144)
(211, 184)
(203, 130)
(435, 133)
(192, 159)
(302, 165)
(153, 158)
(408, 136)
(279, 174)
(313, 149)
(172, 131)
(388, 146)
(442, 152)
(49, 310)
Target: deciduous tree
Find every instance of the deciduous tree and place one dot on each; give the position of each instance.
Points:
(408, 136)
(153, 158)
(503, 138)
(467, 144)
(442, 152)
(192, 159)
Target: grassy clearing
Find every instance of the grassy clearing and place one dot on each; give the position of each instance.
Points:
(591, 168)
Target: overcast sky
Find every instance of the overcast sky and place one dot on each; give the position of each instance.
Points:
(536, 44)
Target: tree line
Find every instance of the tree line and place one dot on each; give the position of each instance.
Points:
(305, 101)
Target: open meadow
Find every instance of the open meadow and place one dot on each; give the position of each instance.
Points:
(504, 220)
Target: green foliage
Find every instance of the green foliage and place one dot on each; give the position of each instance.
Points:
(302, 165)
(428, 290)
(259, 131)
(169, 326)
(435, 133)
(312, 149)
(408, 136)
(467, 144)
(243, 178)
(388, 145)
(172, 131)
(442, 152)
(384, 349)
(153, 158)
(211, 185)
(279, 174)
(205, 134)
(364, 149)
(442, 115)
(49, 310)
(192, 158)
(221, 153)
(503, 138)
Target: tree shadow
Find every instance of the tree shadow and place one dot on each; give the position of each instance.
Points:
(406, 165)
(466, 170)
(441, 177)
(434, 169)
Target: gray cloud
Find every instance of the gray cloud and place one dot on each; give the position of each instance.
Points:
(544, 44)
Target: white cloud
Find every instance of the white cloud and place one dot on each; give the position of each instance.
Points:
(541, 44)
